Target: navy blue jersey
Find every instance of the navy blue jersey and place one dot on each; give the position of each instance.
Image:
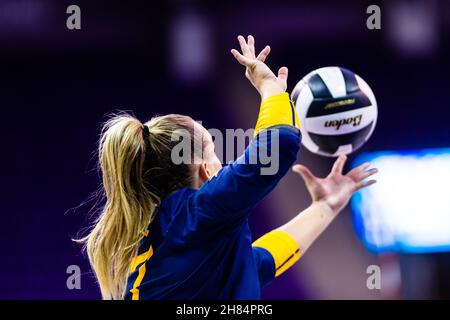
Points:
(199, 245)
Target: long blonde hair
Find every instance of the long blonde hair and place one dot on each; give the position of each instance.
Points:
(137, 173)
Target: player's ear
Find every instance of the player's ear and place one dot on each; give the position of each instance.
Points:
(203, 172)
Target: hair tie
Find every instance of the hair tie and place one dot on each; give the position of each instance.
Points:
(145, 131)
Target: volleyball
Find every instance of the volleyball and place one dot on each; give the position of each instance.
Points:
(337, 111)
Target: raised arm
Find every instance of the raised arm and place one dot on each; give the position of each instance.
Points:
(329, 196)
(235, 189)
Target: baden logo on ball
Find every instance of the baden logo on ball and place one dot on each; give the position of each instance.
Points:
(355, 121)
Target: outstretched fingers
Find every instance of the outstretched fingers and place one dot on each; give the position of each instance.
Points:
(283, 73)
(354, 173)
(244, 47)
(367, 174)
(247, 57)
(263, 54)
(242, 59)
(338, 165)
(363, 184)
(359, 174)
(304, 172)
(251, 46)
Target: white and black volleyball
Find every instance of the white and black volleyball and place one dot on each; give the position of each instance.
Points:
(337, 111)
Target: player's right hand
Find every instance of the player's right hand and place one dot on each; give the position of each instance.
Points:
(259, 74)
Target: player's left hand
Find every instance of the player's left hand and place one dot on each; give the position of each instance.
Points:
(336, 189)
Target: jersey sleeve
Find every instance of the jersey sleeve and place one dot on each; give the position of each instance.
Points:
(281, 247)
(231, 194)
(265, 265)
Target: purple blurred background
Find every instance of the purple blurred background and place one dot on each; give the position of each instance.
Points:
(56, 86)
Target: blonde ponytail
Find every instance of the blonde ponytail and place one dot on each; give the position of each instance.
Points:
(137, 173)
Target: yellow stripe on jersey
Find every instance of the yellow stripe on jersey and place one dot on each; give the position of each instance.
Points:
(140, 259)
(284, 250)
(297, 119)
(135, 291)
(277, 110)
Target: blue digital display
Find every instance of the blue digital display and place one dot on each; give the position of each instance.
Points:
(408, 209)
